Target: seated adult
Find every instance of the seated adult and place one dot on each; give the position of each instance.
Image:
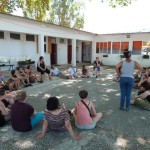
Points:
(9, 86)
(23, 117)
(31, 74)
(16, 79)
(56, 119)
(7, 99)
(84, 113)
(72, 72)
(85, 72)
(4, 114)
(23, 77)
(56, 72)
(41, 67)
(143, 98)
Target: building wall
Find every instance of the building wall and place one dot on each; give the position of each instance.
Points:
(113, 59)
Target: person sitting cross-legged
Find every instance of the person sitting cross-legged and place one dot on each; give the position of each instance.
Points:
(84, 113)
(23, 117)
(56, 119)
(143, 98)
(72, 72)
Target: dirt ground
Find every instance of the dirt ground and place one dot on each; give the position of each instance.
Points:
(117, 130)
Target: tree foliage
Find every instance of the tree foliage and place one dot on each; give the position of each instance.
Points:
(8, 6)
(67, 13)
(35, 9)
(115, 3)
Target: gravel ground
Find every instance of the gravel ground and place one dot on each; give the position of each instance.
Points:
(117, 130)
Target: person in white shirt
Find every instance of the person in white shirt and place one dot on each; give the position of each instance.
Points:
(55, 71)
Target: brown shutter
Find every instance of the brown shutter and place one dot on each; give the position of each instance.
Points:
(49, 45)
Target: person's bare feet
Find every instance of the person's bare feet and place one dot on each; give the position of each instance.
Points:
(132, 102)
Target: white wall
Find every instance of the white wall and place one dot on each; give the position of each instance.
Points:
(113, 59)
(15, 50)
(62, 50)
(79, 51)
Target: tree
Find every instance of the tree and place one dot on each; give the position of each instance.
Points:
(115, 3)
(67, 13)
(8, 6)
(35, 9)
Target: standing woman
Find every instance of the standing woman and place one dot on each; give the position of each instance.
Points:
(126, 79)
(41, 67)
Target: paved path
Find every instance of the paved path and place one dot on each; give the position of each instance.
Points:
(116, 131)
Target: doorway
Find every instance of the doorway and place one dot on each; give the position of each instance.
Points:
(54, 54)
(69, 54)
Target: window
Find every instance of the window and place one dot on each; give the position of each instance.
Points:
(137, 46)
(62, 41)
(53, 40)
(97, 47)
(44, 38)
(1, 35)
(115, 47)
(146, 48)
(45, 48)
(69, 42)
(101, 47)
(15, 36)
(104, 47)
(30, 37)
(109, 47)
(124, 45)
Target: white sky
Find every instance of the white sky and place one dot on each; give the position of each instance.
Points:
(101, 18)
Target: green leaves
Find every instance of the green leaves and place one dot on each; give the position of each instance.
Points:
(67, 13)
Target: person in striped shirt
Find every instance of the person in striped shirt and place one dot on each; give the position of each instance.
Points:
(56, 119)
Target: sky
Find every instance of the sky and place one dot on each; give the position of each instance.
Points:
(100, 18)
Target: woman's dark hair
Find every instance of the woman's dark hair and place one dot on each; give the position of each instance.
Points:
(127, 54)
(53, 103)
(28, 67)
(145, 85)
(13, 72)
(41, 57)
(2, 92)
(83, 94)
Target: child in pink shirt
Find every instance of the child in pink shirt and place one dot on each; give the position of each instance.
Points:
(84, 113)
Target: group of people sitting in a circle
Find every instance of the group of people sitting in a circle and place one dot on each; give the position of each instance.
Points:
(56, 116)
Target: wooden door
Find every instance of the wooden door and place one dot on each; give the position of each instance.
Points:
(54, 54)
(69, 54)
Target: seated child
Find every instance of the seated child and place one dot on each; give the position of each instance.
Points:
(84, 113)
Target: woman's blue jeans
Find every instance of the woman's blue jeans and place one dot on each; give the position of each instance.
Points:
(126, 85)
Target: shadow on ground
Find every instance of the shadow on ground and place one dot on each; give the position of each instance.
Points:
(118, 130)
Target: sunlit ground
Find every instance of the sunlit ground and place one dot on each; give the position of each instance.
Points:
(118, 130)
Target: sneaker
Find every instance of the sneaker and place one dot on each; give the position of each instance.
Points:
(30, 84)
(121, 108)
(26, 85)
(96, 76)
(41, 81)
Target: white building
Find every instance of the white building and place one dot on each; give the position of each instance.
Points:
(22, 39)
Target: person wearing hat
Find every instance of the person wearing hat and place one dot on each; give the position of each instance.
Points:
(23, 117)
(126, 79)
